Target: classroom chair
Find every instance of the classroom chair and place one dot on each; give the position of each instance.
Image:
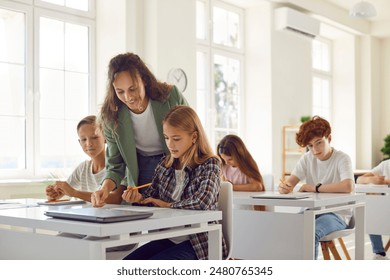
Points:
(225, 204)
(327, 242)
(387, 246)
(268, 180)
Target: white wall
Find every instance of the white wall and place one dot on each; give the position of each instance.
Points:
(291, 86)
(385, 90)
(344, 96)
(110, 38)
(172, 40)
(258, 93)
(161, 32)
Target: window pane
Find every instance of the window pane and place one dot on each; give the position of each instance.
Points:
(77, 4)
(56, 2)
(321, 56)
(52, 143)
(74, 4)
(226, 90)
(12, 90)
(201, 21)
(76, 96)
(76, 48)
(12, 147)
(73, 151)
(51, 37)
(12, 36)
(52, 93)
(321, 97)
(64, 89)
(226, 27)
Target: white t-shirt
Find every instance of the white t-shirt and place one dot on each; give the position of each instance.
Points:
(83, 179)
(335, 169)
(382, 169)
(147, 139)
(176, 196)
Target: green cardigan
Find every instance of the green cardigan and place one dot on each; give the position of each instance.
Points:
(121, 154)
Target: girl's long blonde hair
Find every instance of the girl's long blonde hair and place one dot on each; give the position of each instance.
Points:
(186, 119)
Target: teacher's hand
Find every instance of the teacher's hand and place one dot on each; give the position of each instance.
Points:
(98, 198)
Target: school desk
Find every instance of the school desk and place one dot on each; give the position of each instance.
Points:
(26, 233)
(287, 232)
(377, 199)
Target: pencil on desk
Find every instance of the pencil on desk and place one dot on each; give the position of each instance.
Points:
(139, 187)
(57, 200)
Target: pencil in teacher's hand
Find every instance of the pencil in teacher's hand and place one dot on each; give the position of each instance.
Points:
(139, 187)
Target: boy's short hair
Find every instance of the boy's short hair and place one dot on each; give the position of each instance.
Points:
(316, 127)
(91, 119)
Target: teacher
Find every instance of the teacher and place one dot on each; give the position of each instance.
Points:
(131, 116)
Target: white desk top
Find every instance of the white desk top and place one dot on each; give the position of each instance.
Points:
(371, 188)
(313, 201)
(33, 217)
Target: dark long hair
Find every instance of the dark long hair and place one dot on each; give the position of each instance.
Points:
(133, 64)
(232, 146)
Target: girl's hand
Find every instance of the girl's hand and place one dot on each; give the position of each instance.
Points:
(65, 188)
(156, 202)
(131, 195)
(53, 193)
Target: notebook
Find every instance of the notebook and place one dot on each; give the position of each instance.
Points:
(281, 196)
(98, 215)
(60, 202)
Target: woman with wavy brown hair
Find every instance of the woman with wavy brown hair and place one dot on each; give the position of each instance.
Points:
(131, 116)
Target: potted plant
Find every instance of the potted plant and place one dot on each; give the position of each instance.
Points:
(386, 148)
(305, 118)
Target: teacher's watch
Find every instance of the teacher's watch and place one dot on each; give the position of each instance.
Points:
(318, 187)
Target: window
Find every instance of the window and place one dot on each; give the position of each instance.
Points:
(220, 59)
(322, 78)
(45, 85)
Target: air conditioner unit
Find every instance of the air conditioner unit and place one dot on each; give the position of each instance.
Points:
(297, 22)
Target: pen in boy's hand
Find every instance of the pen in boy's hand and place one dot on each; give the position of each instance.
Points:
(285, 184)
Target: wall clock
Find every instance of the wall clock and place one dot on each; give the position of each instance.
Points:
(178, 77)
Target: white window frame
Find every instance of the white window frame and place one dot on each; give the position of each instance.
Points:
(210, 48)
(34, 9)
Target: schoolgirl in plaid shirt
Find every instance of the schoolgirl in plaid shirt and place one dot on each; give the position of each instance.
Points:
(187, 178)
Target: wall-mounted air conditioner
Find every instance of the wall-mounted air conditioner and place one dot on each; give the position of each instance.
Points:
(292, 20)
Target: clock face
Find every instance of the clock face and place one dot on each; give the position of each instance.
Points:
(178, 77)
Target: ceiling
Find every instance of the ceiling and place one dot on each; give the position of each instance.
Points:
(382, 7)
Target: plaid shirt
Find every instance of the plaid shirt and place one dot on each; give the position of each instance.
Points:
(200, 192)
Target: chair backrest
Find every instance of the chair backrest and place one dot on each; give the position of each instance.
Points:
(225, 204)
(351, 224)
(268, 180)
